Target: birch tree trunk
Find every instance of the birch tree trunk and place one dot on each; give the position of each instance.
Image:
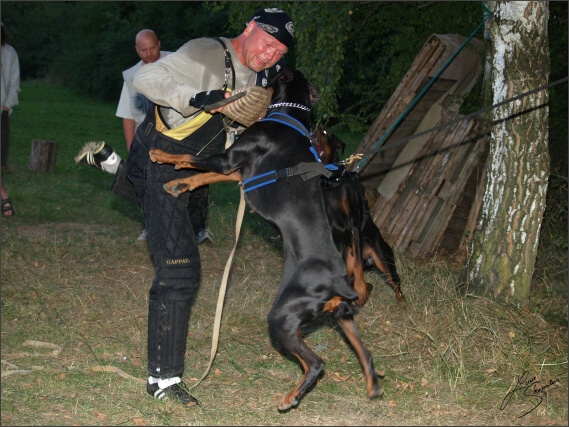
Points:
(504, 248)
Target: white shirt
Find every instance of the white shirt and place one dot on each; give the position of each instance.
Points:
(132, 104)
(10, 87)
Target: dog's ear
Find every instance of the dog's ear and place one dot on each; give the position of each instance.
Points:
(284, 75)
(314, 94)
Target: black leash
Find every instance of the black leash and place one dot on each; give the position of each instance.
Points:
(359, 156)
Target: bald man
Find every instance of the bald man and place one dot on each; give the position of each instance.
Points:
(133, 106)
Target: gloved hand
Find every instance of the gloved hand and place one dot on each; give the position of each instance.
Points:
(204, 99)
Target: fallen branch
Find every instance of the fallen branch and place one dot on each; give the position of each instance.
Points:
(114, 369)
(32, 343)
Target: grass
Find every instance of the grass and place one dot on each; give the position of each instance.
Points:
(75, 278)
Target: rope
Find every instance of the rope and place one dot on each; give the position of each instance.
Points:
(451, 122)
(487, 14)
(222, 288)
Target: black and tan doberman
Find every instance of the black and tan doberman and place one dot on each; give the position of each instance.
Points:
(352, 226)
(277, 168)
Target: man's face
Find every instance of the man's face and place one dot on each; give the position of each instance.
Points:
(261, 50)
(148, 49)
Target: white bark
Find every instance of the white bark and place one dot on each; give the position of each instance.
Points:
(518, 167)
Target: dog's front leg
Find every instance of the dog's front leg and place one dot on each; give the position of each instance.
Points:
(206, 178)
(179, 186)
(180, 161)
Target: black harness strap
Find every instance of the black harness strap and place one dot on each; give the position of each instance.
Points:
(306, 169)
(228, 66)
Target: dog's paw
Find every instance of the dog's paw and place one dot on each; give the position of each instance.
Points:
(155, 155)
(288, 403)
(176, 187)
(375, 392)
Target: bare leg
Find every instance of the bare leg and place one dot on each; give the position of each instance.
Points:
(4, 194)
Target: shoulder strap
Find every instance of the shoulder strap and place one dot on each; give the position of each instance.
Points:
(228, 65)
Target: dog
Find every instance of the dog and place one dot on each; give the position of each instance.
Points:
(349, 216)
(348, 212)
(281, 178)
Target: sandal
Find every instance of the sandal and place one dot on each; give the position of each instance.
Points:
(7, 206)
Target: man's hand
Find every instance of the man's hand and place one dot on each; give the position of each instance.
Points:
(203, 99)
(213, 103)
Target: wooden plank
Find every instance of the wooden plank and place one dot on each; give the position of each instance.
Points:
(417, 193)
(464, 165)
(433, 175)
(421, 201)
(477, 202)
(408, 199)
(404, 93)
(445, 190)
(464, 214)
(416, 121)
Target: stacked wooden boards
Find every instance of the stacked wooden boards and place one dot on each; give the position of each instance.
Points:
(425, 192)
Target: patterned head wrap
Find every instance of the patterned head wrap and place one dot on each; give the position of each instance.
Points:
(276, 23)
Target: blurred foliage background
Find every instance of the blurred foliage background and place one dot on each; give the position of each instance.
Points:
(356, 52)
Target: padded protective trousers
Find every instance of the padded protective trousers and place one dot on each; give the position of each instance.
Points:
(171, 239)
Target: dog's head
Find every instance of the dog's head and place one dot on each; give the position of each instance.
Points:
(330, 147)
(291, 86)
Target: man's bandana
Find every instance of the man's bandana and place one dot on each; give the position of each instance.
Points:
(277, 23)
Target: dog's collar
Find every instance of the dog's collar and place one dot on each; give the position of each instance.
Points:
(289, 104)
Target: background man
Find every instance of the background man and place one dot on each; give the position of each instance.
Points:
(133, 106)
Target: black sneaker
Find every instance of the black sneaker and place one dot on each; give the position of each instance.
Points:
(100, 155)
(178, 391)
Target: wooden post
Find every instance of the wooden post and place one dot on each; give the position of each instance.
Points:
(42, 156)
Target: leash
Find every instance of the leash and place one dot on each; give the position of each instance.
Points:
(400, 141)
(487, 14)
(222, 289)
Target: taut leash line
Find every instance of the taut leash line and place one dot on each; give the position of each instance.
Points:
(359, 156)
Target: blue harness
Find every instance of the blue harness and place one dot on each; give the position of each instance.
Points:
(306, 169)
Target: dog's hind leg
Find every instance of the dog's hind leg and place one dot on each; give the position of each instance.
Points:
(345, 319)
(292, 342)
(381, 256)
(355, 269)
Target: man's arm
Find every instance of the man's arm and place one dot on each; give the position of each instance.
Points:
(197, 66)
(128, 127)
(124, 112)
